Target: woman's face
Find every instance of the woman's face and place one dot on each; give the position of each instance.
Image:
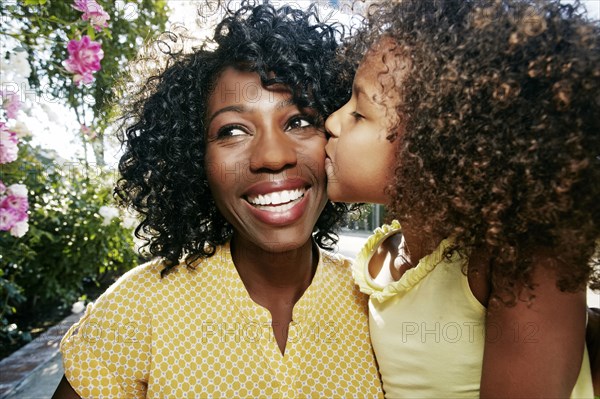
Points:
(360, 159)
(265, 162)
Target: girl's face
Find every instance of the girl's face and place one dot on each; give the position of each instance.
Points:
(360, 159)
(265, 162)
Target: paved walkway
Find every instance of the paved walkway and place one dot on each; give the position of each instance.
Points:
(42, 382)
(33, 372)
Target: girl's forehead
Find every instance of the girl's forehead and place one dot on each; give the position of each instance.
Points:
(381, 66)
(383, 55)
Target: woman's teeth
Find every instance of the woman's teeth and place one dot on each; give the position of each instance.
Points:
(279, 201)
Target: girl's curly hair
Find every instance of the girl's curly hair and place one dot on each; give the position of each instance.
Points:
(499, 130)
(163, 171)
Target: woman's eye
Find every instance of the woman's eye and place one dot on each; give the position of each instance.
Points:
(299, 123)
(231, 131)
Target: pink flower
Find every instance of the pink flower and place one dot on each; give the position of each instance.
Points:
(19, 229)
(13, 221)
(13, 210)
(8, 218)
(84, 59)
(19, 204)
(88, 132)
(12, 105)
(8, 144)
(93, 12)
(2, 187)
(16, 199)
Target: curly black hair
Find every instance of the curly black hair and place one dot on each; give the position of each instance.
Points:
(163, 175)
(500, 114)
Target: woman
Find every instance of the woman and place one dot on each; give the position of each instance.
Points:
(224, 160)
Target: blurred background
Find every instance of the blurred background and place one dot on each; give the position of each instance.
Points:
(65, 67)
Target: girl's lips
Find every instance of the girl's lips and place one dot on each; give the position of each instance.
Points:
(329, 168)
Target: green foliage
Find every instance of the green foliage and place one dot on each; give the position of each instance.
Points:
(67, 249)
(67, 244)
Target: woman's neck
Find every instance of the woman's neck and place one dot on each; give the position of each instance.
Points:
(270, 276)
(275, 280)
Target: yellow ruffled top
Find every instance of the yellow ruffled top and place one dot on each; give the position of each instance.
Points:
(380, 293)
(427, 320)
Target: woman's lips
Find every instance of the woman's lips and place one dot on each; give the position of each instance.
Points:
(279, 208)
(271, 186)
(277, 198)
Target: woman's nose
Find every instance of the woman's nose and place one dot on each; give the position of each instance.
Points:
(273, 150)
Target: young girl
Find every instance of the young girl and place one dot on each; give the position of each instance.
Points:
(477, 123)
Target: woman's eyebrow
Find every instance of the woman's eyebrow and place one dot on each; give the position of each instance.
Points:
(231, 108)
(240, 109)
(285, 103)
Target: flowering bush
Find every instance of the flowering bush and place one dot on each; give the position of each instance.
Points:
(93, 12)
(76, 239)
(74, 236)
(13, 200)
(53, 34)
(84, 59)
(85, 54)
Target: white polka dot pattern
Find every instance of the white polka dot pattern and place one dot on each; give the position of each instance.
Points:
(197, 334)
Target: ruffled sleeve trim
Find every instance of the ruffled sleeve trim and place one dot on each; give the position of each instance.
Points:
(360, 266)
(379, 293)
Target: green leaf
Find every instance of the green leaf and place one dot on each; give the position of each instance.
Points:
(90, 32)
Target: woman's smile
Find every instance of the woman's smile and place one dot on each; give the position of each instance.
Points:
(265, 161)
(279, 202)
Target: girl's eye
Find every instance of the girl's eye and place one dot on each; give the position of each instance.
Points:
(231, 131)
(357, 117)
(299, 122)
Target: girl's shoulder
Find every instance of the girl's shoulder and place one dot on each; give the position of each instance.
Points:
(377, 253)
(380, 241)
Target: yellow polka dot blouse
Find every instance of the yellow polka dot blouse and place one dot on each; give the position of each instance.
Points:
(198, 334)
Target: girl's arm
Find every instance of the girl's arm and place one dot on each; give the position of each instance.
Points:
(535, 349)
(593, 346)
(65, 390)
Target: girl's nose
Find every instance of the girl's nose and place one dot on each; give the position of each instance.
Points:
(332, 124)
